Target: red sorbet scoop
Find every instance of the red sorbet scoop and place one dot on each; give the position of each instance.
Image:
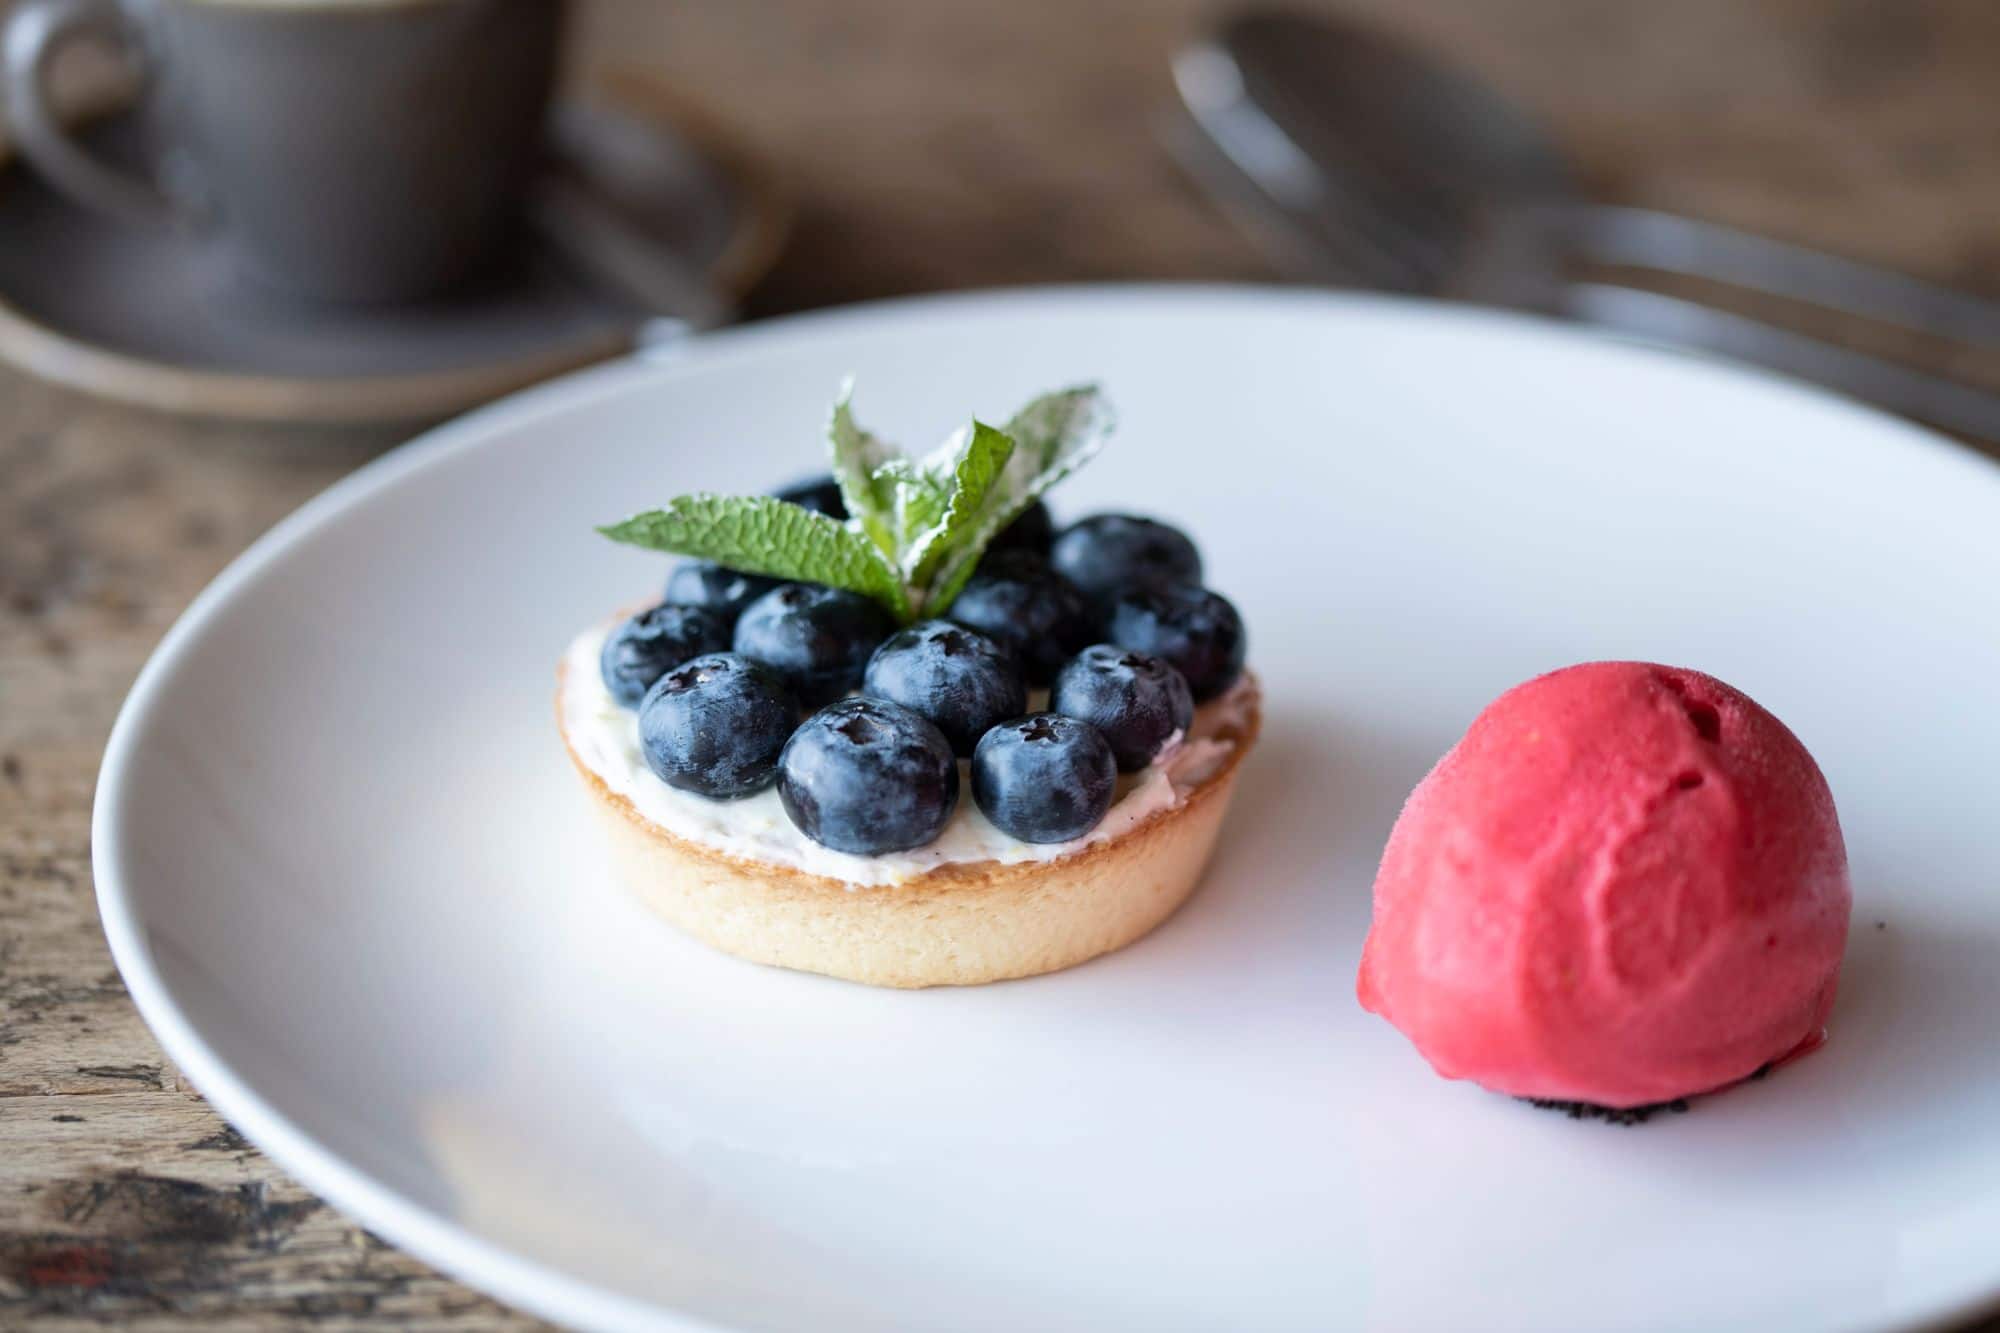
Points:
(1626, 884)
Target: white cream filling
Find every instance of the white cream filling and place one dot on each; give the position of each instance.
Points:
(605, 738)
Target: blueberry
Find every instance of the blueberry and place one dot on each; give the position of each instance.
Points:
(1196, 630)
(1044, 777)
(1032, 530)
(1027, 608)
(654, 642)
(715, 725)
(957, 677)
(819, 638)
(724, 591)
(868, 776)
(1136, 700)
(820, 494)
(1108, 553)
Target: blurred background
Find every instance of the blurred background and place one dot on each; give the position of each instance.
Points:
(943, 144)
(898, 148)
(895, 147)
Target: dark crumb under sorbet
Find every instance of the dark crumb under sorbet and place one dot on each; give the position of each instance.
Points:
(1622, 1115)
(1610, 1115)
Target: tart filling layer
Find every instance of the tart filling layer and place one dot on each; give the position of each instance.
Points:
(605, 738)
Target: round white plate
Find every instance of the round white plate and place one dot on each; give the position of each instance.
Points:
(348, 880)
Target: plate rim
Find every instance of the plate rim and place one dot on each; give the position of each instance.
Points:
(497, 1269)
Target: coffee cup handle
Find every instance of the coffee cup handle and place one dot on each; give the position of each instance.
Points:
(35, 32)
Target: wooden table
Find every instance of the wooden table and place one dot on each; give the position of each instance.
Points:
(947, 143)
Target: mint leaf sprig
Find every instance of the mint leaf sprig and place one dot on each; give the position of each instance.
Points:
(917, 526)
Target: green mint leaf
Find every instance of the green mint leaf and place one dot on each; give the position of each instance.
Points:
(978, 456)
(758, 534)
(915, 501)
(859, 459)
(1053, 436)
(918, 528)
(951, 580)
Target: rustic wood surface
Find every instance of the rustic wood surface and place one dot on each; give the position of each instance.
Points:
(947, 143)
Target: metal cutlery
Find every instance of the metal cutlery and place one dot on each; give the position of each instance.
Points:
(1360, 160)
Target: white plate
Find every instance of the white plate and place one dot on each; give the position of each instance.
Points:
(348, 881)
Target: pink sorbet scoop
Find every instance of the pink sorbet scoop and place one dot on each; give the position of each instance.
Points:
(1624, 885)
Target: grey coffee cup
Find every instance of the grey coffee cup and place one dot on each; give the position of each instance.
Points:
(345, 150)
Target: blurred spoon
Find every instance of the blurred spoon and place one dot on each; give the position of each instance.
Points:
(1364, 160)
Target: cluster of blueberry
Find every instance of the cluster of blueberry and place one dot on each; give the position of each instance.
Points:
(723, 669)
